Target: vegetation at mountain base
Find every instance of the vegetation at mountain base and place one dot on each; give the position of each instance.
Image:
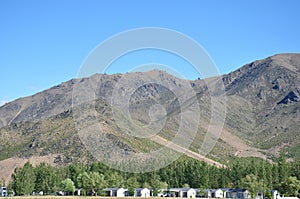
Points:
(68, 186)
(253, 184)
(23, 179)
(254, 175)
(290, 186)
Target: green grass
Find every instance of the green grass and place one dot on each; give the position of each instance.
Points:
(294, 151)
(11, 150)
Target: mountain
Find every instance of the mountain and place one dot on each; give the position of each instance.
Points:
(268, 92)
(262, 116)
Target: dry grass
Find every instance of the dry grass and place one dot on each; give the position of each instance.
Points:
(8, 166)
(76, 197)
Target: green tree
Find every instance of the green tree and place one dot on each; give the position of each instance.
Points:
(97, 183)
(92, 182)
(68, 186)
(132, 183)
(295, 171)
(45, 178)
(23, 179)
(275, 176)
(74, 170)
(157, 184)
(290, 186)
(114, 179)
(146, 185)
(253, 184)
(237, 170)
(269, 177)
(283, 167)
(84, 182)
(201, 191)
(268, 194)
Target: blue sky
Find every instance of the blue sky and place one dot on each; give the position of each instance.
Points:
(43, 43)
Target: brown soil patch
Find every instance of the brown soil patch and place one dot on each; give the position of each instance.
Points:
(8, 166)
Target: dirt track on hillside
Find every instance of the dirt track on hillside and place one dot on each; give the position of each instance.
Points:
(187, 152)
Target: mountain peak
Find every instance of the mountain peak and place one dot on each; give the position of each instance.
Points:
(289, 60)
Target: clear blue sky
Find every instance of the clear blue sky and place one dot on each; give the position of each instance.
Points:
(43, 43)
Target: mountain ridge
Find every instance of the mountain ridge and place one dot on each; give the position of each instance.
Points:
(262, 113)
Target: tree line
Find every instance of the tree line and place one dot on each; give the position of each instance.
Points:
(252, 174)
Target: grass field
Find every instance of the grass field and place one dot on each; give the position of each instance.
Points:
(75, 197)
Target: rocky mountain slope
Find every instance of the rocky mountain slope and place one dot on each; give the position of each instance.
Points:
(262, 115)
(268, 92)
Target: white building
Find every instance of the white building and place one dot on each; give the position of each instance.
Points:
(3, 191)
(116, 192)
(214, 193)
(275, 194)
(183, 192)
(210, 193)
(236, 193)
(141, 192)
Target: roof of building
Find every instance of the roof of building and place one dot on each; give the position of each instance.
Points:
(113, 189)
(181, 189)
(139, 189)
(233, 190)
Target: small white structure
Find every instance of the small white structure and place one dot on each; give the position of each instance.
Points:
(275, 194)
(214, 193)
(259, 195)
(236, 193)
(141, 192)
(219, 193)
(116, 192)
(77, 192)
(183, 192)
(3, 191)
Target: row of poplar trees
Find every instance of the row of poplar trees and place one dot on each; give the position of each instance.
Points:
(252, 174)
